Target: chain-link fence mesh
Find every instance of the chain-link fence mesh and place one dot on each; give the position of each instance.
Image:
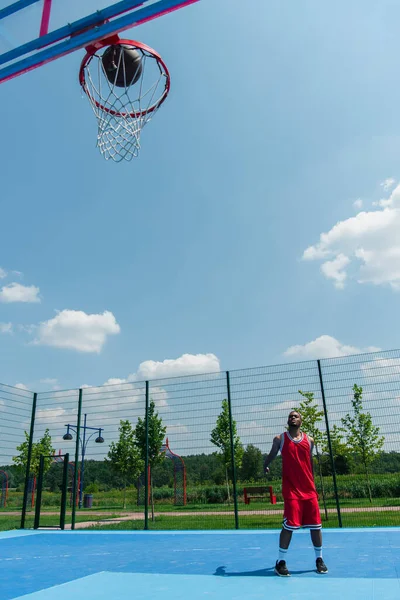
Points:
(261, 401)
(187, 431)
(189, 408)
(53, 410)
(366, 455)
(16, 412)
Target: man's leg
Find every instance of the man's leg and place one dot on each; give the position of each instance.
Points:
(316, 538)
(284, 541)
(291, 521)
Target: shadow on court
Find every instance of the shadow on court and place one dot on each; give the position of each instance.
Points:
(269, 572)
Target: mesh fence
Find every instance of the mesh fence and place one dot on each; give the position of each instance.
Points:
(261, 401)
(207, 438)
(368, 473)
(53, 410)
(16, 411)
(189, 407)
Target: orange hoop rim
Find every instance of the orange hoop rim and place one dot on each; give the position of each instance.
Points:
(91, 51)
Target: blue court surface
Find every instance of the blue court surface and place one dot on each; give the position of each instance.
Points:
(61, 565)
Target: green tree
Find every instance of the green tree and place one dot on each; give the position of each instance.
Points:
(220, 437)
(43, 446)
(124, 455)
(362, 436)
(310, 416)
(156, 437)
(341, 452)
(252, 464)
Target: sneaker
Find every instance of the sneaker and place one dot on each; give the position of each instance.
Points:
(281, 569)
(321, 566)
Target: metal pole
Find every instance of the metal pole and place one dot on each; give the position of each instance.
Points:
(64, 492)
(39, 493)
(83, 462)
(44, 25)
(329, 444)
(146, 462)
(78, 432)
(235, 502)
(28, 461)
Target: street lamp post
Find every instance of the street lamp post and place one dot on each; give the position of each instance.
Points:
(84, 442)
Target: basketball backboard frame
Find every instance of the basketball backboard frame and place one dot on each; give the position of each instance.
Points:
(51, 45)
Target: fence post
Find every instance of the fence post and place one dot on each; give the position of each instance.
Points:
(76, 469)
(233, 462)
(64, 491)
(28, 461)
(146, 462)
(329, 444)
(39, 493)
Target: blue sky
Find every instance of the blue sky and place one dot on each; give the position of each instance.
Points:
(283, 122)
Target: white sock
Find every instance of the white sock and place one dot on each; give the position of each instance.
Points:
(282, 554)
(318, 552)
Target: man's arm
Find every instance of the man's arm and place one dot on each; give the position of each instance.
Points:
(273, 454)
(311, 452)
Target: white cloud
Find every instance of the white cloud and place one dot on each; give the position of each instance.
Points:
(315, 252)
(3, 273)
(335, 269)
(6, 328)
(358, 203)
(76, 330)
(382, 369)
(383, 202)
(49, 415)
(114, 381)
(187, 364)
(132, 387)
(369, 242)
(21, 386)
(388, 183)
(27, 328)
(116, 394)
(15, 292)
(176, 429)
(159, 396)
(49, 381)
(325, 346)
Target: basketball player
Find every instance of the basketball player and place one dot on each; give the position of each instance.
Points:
(298, 489)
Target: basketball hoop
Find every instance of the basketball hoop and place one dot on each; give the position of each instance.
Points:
(126, 83)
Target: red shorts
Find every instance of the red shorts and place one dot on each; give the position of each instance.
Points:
(301, 513)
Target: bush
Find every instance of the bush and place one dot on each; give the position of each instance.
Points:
(93, 488)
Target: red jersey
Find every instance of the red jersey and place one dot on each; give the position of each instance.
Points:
(297, 472)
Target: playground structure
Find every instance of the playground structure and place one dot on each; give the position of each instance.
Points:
(179, 474)
(179, 478)
(59, 458)
(63, 460)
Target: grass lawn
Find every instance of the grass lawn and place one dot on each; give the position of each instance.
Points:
(8, 522)
(208, 522)
(351, 516)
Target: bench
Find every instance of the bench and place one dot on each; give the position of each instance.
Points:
(252, 493)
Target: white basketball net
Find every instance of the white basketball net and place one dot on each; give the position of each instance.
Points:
(122, 112)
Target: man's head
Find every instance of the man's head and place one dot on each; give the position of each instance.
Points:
(294, 419)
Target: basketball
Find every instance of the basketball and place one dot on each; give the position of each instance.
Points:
(122, 65)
